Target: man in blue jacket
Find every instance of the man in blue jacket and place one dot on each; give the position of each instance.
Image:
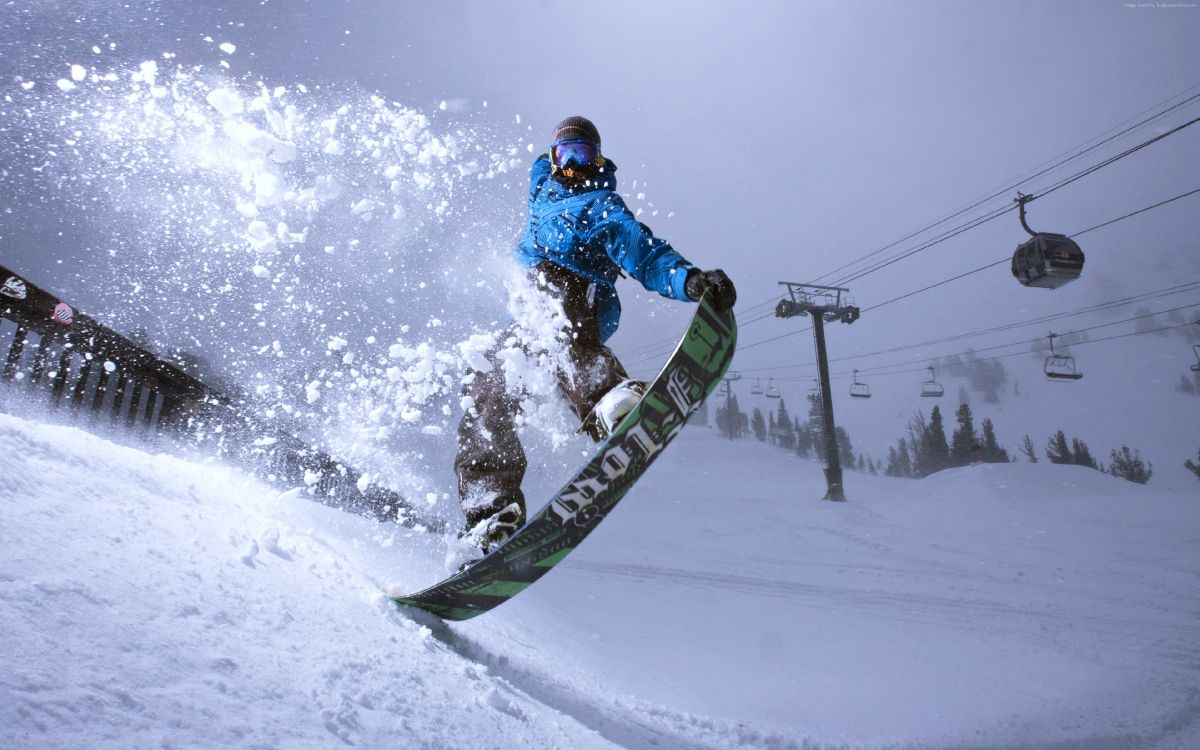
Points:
(579, 238)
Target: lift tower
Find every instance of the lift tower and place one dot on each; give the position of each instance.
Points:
(824, 304)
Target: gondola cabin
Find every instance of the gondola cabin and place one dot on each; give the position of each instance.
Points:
(1047, 260)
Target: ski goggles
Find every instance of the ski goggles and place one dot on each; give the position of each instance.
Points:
(577, 152)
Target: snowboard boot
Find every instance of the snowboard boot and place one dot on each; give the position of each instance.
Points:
(475, 542)
(612, 408)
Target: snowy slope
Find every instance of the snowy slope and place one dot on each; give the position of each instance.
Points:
(152, 602)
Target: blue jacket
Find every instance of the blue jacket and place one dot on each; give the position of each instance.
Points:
(594, 234)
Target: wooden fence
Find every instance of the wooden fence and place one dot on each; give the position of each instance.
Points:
(65, 360)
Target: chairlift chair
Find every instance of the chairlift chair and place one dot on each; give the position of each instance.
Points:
(756, 389)
(932, 388)
(772, 391)
(1060, 367)
(859, 390)
(1046, 259)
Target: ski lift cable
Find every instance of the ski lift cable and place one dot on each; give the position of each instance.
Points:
(883, 374)
(995, 357)
(1006, 259)
(1036, 321)
(1114, 337)
(882, 369)
(982, 220)
(1032, 174)
(996, 212)
(1001, 211)
(1139, 211)
(977, 270)
(910, 370)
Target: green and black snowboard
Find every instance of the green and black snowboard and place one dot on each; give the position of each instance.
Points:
(691, 373)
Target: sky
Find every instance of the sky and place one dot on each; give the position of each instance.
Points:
(778, 141)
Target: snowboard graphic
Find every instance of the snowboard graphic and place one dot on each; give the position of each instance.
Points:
(691, 373)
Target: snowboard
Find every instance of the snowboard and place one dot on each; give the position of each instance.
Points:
(692, 372)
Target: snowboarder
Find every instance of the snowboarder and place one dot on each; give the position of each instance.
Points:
(579, 238)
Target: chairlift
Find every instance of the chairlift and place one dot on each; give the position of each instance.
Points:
(1046, 260)
(756, 389)
(1060, 366)
(1196, 351)
(932, 388)
(772, 391)
(859, 390)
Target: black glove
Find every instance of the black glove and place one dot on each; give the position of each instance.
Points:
(698, 282)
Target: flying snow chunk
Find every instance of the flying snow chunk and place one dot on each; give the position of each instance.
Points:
(78, 72)
(431, 429)
(313, 392)
(225, 101)
(64, 84)
(110, 366)
(228, 48)
(337, 343)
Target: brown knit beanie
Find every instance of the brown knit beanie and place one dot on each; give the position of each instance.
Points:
(576, 128)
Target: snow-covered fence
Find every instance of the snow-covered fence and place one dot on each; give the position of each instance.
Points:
(65, 359)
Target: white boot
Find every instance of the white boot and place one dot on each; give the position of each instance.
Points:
(484, 537)
(618, 402)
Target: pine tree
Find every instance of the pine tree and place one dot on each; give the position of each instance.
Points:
(1193, 467)
(758, 425)
(992, 452)
(918, 429)
(873, 469)
(1027, 449)
(1058, 451)
(783, 421)
(804, 439)
(938, 450)
(1081, 455)
(1129, 465)
(845, 448)
(730, 418)
(892, 469)
(905, 462)
(772, 433)
(964, 441)
(899, 463)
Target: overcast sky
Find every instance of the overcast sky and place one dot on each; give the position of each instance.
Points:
(783, 139)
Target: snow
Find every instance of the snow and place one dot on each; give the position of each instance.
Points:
(150, 600)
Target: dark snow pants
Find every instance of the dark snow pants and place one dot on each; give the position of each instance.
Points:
(491, 462)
